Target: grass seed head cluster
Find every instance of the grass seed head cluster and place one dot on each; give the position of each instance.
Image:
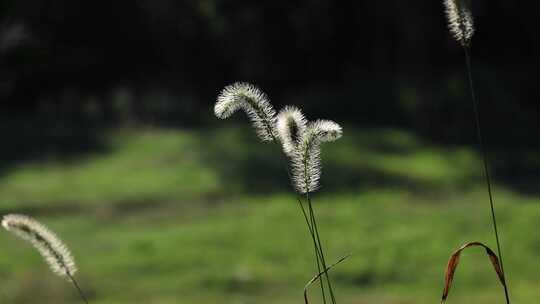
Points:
(291, 124)
(301, 140)
(246, 97)
(460, 20)
(53, 250)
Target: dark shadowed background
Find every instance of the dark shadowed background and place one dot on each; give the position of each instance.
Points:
(162, 62)
(107, 111)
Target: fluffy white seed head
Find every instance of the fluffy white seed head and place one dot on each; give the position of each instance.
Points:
(247, 97)
(306, 160)
(53, 250)
(291, 124)
(460, 20)
(328, 130)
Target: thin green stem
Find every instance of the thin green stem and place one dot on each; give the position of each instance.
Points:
(316, 230)
(317, 250)
(485, 162)
(81, 294)
(313, 223)
(315, 278)
(310, 228)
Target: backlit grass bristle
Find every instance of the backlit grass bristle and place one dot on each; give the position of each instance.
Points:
(291, 124)
(250, 99)
(306, 161)
(460, 20)
(53, 250)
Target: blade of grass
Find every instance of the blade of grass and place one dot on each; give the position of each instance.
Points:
(316, 277)
(453, 263)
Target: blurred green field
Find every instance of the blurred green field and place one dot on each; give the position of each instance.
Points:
(207, 216)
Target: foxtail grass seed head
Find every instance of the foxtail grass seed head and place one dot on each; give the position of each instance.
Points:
(291, 124)
(306, 161)
(328, 130)
(53, 250)
(460, 20)
(250, 99)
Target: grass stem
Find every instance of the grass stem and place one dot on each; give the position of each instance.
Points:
(311, 231)
(319, 244)
(318, 256)
(315, 278)
(81, 294)
(485, 162)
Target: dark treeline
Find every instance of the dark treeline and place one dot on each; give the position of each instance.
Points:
(372, 62)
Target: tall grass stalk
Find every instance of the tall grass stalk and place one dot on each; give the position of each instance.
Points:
(318, 251)
(291, 125)
(319, 245)
(485, 162)
(309, 223)
(461, 26)
(306, 168)
(300, 142)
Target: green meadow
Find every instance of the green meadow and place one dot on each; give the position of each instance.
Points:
(164, 216)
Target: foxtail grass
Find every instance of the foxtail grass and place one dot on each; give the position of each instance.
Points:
(54, 251)
(254, 102)
(461, 26)
(300, 141)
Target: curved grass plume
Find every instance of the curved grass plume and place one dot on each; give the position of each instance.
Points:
(460, 20)
(47, 243)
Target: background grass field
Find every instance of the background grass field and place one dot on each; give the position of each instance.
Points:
(207, 216)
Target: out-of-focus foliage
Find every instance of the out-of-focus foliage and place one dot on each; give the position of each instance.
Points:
(157, 216)
(163, 61)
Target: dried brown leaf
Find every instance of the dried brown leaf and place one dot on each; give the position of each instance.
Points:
(453, 262)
